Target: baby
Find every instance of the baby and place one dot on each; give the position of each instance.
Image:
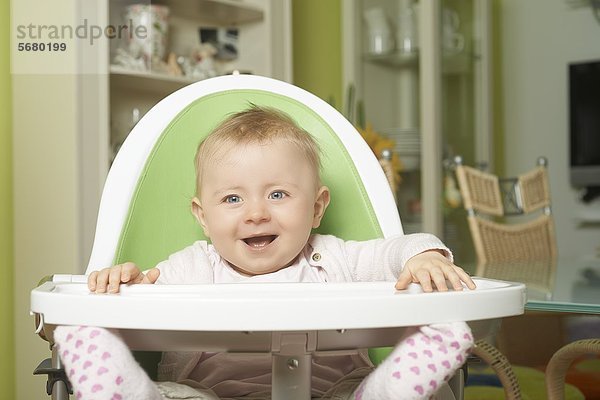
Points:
(259, 195)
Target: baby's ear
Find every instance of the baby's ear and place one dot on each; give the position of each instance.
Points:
(321, 203)
(199, 214)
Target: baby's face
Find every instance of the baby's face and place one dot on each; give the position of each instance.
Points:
(258, 204)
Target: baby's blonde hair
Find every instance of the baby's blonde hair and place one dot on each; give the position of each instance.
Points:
(256, 125)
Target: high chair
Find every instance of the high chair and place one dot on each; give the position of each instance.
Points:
(145, 215)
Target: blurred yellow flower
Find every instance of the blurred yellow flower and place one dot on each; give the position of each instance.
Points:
(378, 144)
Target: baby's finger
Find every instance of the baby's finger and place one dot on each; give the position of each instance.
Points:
(425, 280)
(114, 279)
(151, 276)
(439, 279)
(465, 278)
(91, 282)
(452, 276)
(130, 273)
(404, 279)
(102, 280)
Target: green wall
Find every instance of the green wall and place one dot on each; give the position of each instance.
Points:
(7, 361)
(317, 44)
(497, 89)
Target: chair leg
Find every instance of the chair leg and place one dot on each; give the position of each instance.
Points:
(58, 385)
(457, 383)
(291, 377)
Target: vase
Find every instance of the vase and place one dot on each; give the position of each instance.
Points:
(149, 25)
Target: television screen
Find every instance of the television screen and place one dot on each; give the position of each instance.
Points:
(584, 100)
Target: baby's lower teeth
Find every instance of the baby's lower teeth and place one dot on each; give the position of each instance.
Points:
(257, 243)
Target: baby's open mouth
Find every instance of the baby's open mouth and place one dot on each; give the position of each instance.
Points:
(258, 242)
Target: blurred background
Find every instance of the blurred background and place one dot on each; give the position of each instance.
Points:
(432, 79)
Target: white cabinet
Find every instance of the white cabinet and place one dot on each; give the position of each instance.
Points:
(432, 96)
(258, 26)
(112, 95)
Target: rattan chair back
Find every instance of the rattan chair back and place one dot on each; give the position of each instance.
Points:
(489, 199)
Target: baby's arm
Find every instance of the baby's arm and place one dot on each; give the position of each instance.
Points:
(416, 258)
(108, 280)
(433, 268)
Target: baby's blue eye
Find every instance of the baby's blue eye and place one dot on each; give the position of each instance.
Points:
(278, 195)
(233, 199)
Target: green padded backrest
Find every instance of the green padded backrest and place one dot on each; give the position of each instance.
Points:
(160, 221)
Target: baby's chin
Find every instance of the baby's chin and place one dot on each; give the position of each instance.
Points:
(255, 270)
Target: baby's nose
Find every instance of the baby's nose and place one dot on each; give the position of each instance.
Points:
(257, 212)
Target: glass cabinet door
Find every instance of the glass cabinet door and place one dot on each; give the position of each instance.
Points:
(422, 74)
(465, 42)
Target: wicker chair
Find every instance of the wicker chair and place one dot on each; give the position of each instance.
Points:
(501, 367)
(502, 247)
(561, 360)
(487, 198)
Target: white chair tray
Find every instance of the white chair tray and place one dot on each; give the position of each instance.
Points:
(244, 317)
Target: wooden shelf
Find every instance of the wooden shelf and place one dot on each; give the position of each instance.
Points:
(147, 80)
(219, 12)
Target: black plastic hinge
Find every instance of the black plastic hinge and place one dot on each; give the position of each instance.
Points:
(54, 375)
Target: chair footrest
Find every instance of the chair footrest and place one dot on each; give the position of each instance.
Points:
(54, 375)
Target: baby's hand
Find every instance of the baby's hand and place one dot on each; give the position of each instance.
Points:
(122, 273)
(431, 267)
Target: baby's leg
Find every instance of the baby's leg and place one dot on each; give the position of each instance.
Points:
(100, 366)
(419, 363)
